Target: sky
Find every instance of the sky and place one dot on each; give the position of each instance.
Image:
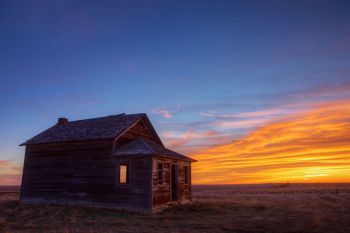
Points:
(257, 91)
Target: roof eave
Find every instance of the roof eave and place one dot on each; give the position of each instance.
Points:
(171, 157)
(187, 159)
(27, 143)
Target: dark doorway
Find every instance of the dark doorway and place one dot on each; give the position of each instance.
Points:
(174, 192)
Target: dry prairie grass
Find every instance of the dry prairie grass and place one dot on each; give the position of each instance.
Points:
(234, 208)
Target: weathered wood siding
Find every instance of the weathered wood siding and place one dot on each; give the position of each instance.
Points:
(68, 172)
(162, 192)
(82, 173)
(137, 193)
(140, 130)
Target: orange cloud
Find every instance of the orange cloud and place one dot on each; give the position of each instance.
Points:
(4, 163)
(10, 174)
(188, 135)
(312, 146)
(240, 123)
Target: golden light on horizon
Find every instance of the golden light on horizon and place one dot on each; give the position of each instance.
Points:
(312, 146)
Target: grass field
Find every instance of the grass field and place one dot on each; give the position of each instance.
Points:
(231, 208)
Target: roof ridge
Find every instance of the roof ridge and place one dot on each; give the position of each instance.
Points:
(95, 118)
(116, 115)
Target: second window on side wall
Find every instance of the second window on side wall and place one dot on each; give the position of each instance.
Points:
(160, 173)
(186, 174)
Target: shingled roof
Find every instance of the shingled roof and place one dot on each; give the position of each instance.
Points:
(89, 129)
(144, 147)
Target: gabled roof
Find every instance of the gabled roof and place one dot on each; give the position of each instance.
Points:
(144, 147)
(89, 129)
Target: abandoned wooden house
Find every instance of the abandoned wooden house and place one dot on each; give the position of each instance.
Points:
(116, 161)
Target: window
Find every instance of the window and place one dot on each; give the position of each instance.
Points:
(123, 174)
(186, 174)
(160, 174)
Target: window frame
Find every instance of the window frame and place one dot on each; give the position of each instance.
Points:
(127, 174)
(186, 174)
(160, 171)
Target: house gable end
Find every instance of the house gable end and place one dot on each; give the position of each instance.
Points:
(140, 129)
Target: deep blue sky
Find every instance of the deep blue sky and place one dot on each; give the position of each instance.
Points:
(84, 59)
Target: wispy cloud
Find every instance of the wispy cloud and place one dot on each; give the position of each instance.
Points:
(175, 139)
(193, 140)
(4, 163)
(252, 119)
(252, 114)
(328, 92)
(308, 146)
(239, 124)
(10, 173)
(162, 112)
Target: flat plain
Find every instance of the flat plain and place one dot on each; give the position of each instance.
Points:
(220, 208)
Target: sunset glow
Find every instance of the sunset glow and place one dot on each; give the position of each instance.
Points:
(256, 91)
(312, 146)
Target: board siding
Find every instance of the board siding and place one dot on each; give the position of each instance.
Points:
(82, 173)
(162, 192)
